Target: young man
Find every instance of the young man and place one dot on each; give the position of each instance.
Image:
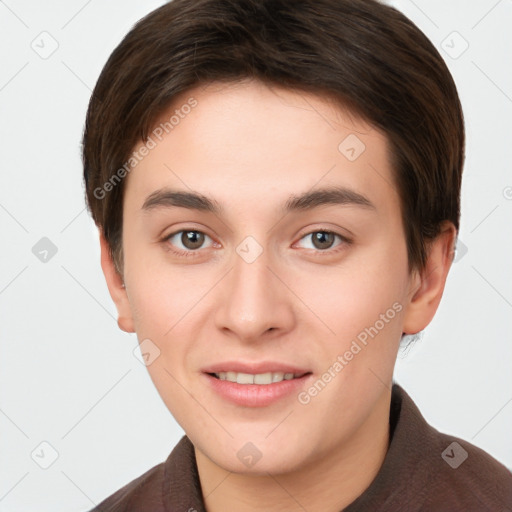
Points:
(277, 188)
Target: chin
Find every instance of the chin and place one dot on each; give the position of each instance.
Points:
(258, 455)
(274, 464)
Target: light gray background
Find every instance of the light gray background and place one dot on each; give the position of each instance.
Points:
(68, 375)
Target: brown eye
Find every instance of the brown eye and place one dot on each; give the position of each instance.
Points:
(323, 239)
(186, 241)
(192, 239)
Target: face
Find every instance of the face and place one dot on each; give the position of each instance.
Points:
(263, 236)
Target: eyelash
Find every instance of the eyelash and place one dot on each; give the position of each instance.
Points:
(193, 253)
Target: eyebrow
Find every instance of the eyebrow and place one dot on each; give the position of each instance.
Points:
(168, 198)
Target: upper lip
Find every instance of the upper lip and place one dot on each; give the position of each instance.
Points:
(255, 367)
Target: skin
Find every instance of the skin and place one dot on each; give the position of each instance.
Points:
(298, 302)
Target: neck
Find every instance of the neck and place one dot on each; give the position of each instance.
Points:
(328, 484)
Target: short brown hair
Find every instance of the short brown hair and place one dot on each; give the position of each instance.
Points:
(367, 55)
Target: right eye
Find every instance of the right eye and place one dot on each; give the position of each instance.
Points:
(190, 240)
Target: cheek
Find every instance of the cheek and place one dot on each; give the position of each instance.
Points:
(168, 307)
(159, 294)
(151, 308)
(163, 312)
(354, 296)
(363, 304)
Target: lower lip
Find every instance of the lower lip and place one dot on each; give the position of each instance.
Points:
(256, 395)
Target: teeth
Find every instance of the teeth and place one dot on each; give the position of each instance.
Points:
(259, 378)
(244, 378)
(263, 378)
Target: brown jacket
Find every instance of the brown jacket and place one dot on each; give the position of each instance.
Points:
(424, 471)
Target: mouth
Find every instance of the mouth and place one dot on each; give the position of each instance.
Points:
(257, 378)
(258, 385)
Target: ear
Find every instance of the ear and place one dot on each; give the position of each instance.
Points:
(116, 288)
(428, 285)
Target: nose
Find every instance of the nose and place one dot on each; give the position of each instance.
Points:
(255, 302)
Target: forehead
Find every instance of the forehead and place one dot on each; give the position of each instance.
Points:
(247, 141)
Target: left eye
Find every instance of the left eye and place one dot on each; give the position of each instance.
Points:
(322, 240)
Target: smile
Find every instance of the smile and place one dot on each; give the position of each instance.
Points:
(258, 378)
(257, 389)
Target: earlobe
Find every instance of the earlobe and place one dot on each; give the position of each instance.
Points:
(427, 286)
(116, 287)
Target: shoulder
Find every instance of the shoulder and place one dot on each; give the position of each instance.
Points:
(451, 473)
(464, 475)
(171, 485)
(146, 489)
(426, 470)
